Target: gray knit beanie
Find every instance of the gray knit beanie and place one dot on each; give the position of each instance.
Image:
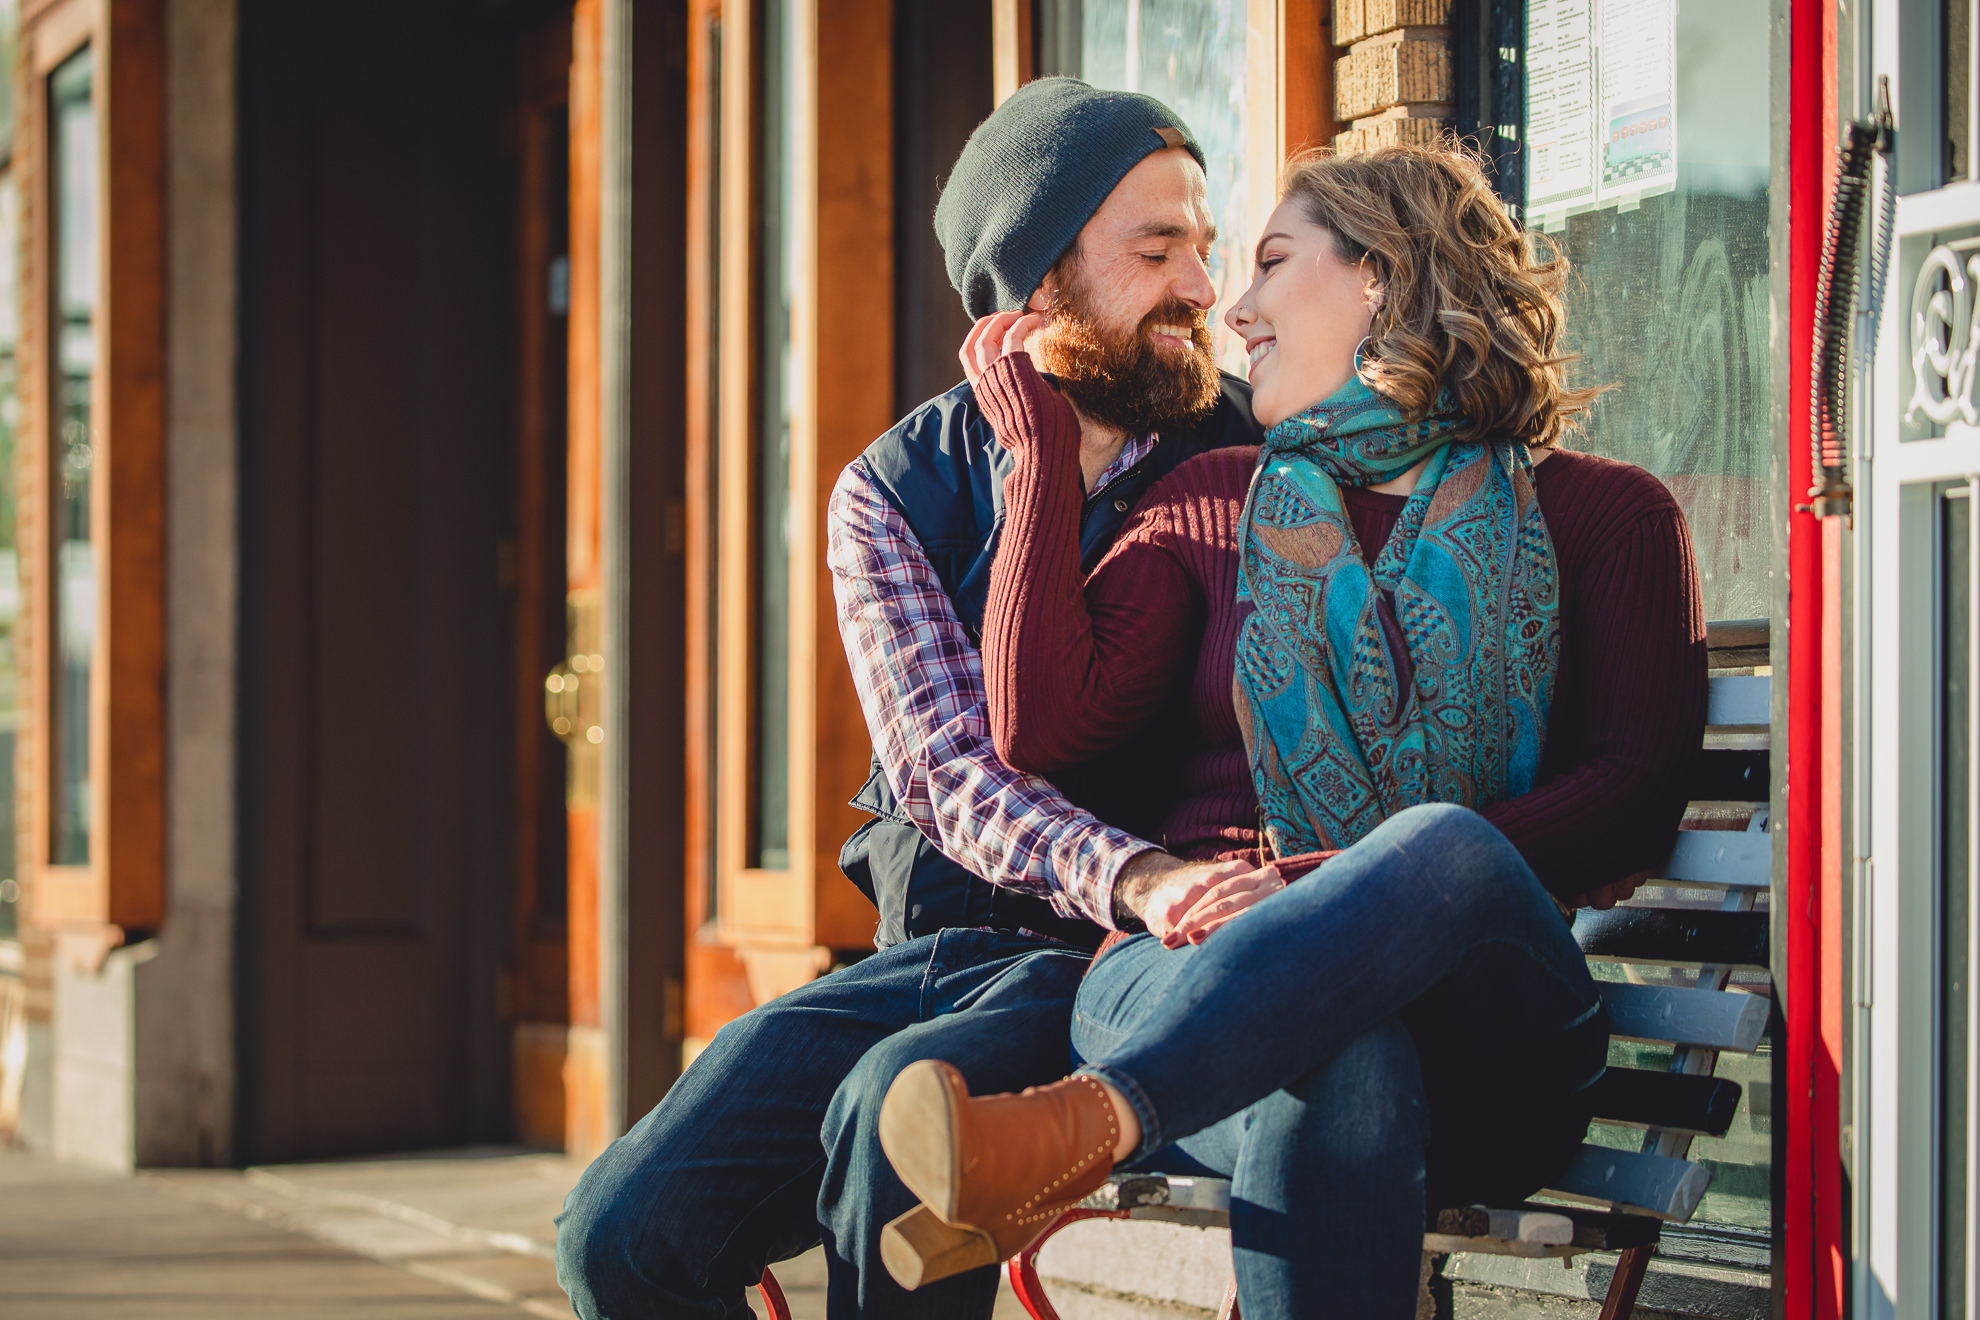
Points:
(1033, 174)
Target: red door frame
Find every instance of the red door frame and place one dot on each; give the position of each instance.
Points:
(1812, 1257)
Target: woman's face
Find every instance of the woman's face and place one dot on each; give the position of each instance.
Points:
(1303, 316)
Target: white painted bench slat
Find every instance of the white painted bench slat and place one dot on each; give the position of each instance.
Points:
(1739, 699)
(1630, 1180)
(1720, 859)
(1661, 1014)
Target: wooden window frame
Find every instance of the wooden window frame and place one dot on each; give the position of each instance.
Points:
(120, 894)
(785, 923)
(717, 984)
(1289, 81)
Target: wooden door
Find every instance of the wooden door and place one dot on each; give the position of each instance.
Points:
(377, 367)
(546, 689)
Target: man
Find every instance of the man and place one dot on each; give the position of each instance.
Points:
(1087, 209)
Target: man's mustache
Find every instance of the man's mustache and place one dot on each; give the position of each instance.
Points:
(1194, 319)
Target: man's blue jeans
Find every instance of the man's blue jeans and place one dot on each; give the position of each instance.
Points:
(769, 1142)
(1412, 1025)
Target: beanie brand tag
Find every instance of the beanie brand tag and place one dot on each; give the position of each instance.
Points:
(1171, 137)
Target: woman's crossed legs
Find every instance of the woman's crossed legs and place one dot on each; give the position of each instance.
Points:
(1409, 1026)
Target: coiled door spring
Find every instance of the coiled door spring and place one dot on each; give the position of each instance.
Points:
(1836, 306)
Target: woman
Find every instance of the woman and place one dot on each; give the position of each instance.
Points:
(1454, 673)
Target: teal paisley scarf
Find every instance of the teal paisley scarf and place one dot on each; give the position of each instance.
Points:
(1424, 679)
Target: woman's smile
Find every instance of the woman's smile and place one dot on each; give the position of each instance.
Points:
(1303, 316)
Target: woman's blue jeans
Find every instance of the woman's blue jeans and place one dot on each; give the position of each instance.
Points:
(1410, 1026)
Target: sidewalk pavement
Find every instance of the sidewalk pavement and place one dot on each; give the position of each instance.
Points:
(456, 1235)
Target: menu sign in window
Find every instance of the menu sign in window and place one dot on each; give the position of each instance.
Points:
(1560, 107)
(1639, 97)
(1601, 105)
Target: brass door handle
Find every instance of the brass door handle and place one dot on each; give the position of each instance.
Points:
(560, 701)
(569, 710)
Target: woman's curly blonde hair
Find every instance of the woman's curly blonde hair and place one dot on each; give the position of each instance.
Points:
(1469, 306)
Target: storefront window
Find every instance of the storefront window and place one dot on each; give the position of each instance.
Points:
(1647, 158)
(1955, 75)
(1190, 55)
(771, 599)
(73, 195)
(712, 492)
(1648, 153)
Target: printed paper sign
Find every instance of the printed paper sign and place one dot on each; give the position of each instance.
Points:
(1639, 97)
(1560, 108)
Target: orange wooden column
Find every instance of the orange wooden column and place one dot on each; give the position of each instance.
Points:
(850, 326)
(1306, 75)
(585, 1063)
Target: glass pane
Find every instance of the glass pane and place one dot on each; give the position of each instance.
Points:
(1956, 55)
(711, 496)
(73, 235)
(10, 32)
(10, 578)
(1955, 899)
(1188, 54)
(770, 842)
(1671, 300)
(553, 205)
(1739, 1196)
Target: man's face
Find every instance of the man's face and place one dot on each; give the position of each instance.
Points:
(1127, 332)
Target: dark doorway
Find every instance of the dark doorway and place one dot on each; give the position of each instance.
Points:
(377, 467)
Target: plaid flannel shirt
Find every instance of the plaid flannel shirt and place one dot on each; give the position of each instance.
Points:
(920, 684)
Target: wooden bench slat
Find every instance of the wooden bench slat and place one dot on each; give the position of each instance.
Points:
(1735, 859)
(1725, 634)
(1664, 1014)
(1739, 699)
(1529, 1229)
(1674, 939)
(1700, 1105)
(1630, 1180)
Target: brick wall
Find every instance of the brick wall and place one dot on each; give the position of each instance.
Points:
(1393, 82)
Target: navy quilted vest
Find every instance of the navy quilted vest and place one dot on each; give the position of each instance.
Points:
(944, 470)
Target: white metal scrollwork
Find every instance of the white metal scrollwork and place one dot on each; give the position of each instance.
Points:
(1945, 339)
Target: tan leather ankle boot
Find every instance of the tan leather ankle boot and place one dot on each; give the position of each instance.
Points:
(992, 1172)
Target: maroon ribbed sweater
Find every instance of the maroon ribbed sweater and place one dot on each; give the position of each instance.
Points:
(1074, 667)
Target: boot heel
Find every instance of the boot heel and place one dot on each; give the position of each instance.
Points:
(919, 1248)
(918, 1133)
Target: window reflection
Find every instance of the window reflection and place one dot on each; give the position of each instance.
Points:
(1189, 55)
(711, 493)
(1672, 304)
(770, 809)
(73, 199)
(1955, 76)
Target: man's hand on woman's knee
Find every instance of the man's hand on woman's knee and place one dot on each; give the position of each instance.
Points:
(1223, 903)
(1174, 898)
